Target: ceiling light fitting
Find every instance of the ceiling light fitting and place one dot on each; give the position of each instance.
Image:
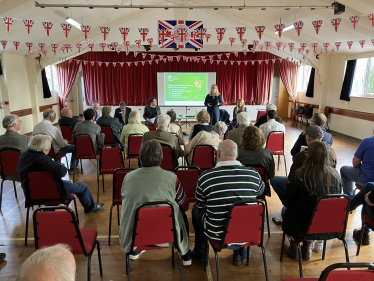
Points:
(74, 23)
(287, 28)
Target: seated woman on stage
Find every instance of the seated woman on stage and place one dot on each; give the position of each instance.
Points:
(203, 118)
(133, 127)
(240, 107)
(316, 178)
(174, 128)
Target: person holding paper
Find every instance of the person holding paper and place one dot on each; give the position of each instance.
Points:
(213, 101)
(151, 111)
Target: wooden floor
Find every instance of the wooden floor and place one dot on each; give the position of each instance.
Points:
(156, 265)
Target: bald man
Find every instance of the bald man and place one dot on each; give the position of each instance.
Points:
(55, 263)
(67, 118)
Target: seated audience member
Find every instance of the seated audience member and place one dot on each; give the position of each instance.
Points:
(174, 128)
(67, 118)
(313, 180)
(59, 144)
(133, 127)
(263, 119)
(240, 107)
(364, 197)
(252, 151)
(203, 118)
(107, 120)
(244, 121)
(217, 189)
(318, 119)
(88, 127)
(205, 138)
(35, 159)
(224, 116)
(96, 108)
(271, 125)
(151, 111)
(151, 183)
(122, 113)
(312, 134)
(362, 171)
(163, 137)
(51, 263)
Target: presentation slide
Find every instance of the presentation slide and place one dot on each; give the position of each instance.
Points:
(184, 88)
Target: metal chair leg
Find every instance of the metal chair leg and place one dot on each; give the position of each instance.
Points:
(15, 191)
(110, 224)
(172, 257)
(324, 249)
(265, 263)
(102, 176)
(300, 260)
(98, 181)
(1, 193)
(282, 247)
(128, 266)
(81, 167)
(27, 224)
(267, 216)
(361, 236)
(346, 250)
(285, 165)
(89, 268)
(278, 161)
(76, 209)
(99, 256)
(67, 163)
(217, 266)
(248, 249)
(206, 255)
(180, 265)
(118, 214)
(74, 175)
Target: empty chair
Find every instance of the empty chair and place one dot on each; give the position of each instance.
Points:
(367, 221)
(275, 143)
(260, 113)
(151, 127)
(109, 136)
(110, 160)
(55, 156)
(167, 162)
(51, 228)
(134, 144)
(67, 133)
(203, 157)
(188, 176)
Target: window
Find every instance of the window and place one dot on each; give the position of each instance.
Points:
(303, 78)
(51, 73)
(363, 81)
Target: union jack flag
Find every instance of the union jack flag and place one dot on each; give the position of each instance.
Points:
(29, 45)
(303, 45)
(124, 32)
(314, 45)
(362, 43)
(47, 26)
(207, 36)
(298, 27)
(220, 34)
(105, 31)
(337, 44)
(54, 48)
(260, 30)
(244, 41)
(3, 42)
(150, 40)
(279, 29)
(278, 44)
(138, 42)
(41, 45)
(143, 32)
(326, 45)
(66, 28)
(178, 34)
(335, 23)
(372, 41)
(102, 46)
(370, 16)
(350, 43)
(307, 51)
(354, 21)
(85, 29)
(291, 45)
(232, 40)
(79, 46)
(8, 22)
(28, 24)
(241, 31)
(317, 25)
(267, 45)
(16, 44)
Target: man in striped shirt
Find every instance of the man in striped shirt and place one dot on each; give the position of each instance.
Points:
(217, 190)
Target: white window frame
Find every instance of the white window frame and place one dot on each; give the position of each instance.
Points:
(52, 87)
(300, 89)
(366, 93)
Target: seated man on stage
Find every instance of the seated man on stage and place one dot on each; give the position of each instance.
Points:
(151, 111)
(113, 123)
(122, 113)
(67, 118)
(36, 159)
(263, 119)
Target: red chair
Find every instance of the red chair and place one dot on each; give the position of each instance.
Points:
(330, 215)
(151, 128)
(358, 188)
(109, 136)
(51, 228)
(133, 146)
(245, 224)
(203, 157)
(154, 225)
(110, 160)
(366, 222)
(299, 116)
(260, 113)
(8, 167)
(43, 189)
(167, 162)
(275, 143)
(84, 149)
(326, 112)
(55, 156)
(67, 133)
(118, 177)
(330, 274)
(188, 176)
(264, 176)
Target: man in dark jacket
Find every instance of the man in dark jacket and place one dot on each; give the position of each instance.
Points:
(67, 118)
(263, 119)
(122, 110)
(318, 119)
(151, 111)
(107, 120)
(36, 159)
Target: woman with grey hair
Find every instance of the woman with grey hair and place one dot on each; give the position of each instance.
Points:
(133, 127)
(174, 128)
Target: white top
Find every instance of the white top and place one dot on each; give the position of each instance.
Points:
(229, 163)
(270, 126)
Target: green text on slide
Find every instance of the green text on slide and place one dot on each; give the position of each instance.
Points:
(185, 86)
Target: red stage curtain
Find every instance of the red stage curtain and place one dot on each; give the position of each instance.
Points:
(288, 72)
(136, 84)
(66, 73)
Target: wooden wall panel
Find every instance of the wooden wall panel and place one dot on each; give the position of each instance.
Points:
(44, 107)
(22, 112)
(352, 113)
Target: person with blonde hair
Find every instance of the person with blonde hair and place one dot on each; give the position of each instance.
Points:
(213, 101)
(240, 107)
(113, 123)
(134, 127)
(203, 118)
(174, 128)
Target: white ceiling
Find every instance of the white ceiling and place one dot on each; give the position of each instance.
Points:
(134, 18)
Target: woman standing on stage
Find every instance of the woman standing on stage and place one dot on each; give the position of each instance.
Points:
(213, 101)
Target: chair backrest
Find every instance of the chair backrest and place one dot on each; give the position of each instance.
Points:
(167, 162)
(330, 215)
(275, 142)
(109, 136)
(366, 273)
(133, 144)
(188, 176)
(154, 225)
(203, 157)
(151, 127)
(67, 133)
(245, 223)
(327, 111)
(51, 228)
(118, 177)
(51, 153)
(110, 159)
(265, 177)
(84, 147)
(260, 113)
(9, 161)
